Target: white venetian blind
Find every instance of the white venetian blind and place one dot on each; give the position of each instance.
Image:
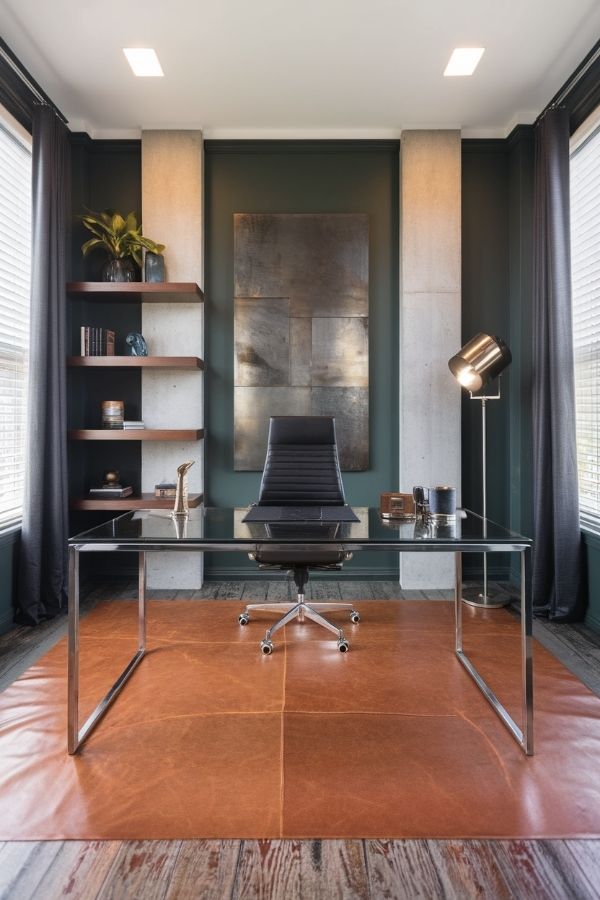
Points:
(15, 259)
(585, 261)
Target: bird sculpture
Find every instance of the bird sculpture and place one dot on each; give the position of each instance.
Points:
(136, 343)
(181, 507)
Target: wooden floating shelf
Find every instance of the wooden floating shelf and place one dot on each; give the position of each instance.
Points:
(144, 501)
(137, 291)
(135, 362)
(136, 434)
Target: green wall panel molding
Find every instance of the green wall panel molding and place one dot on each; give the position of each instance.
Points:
(296, 177)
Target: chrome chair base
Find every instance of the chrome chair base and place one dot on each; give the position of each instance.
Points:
(301, 611)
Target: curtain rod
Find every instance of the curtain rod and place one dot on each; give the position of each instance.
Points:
(573, 80)
(30, 83)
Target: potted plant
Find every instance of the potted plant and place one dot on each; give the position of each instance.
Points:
(122, 239)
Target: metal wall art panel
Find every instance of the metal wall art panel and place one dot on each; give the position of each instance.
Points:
(262, 342)
(350, 406)
(301, 328)
(253, 408)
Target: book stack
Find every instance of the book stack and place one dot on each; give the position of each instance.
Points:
(133, 424)
(113, 492)
(97, 341)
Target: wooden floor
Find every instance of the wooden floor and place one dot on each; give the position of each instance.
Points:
(120, 870)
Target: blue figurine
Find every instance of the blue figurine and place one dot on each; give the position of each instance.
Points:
(137, 344)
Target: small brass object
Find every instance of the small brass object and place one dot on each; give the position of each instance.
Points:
(181, 507)
(395, 505)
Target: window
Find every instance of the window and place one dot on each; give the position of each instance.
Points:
(15, 259)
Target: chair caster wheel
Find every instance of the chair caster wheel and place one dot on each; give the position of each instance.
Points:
(343, 645)
(355, 617)
(243, 618)
(266, 646)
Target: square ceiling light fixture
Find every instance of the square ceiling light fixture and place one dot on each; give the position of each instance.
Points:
(143, 61)
(463, 61)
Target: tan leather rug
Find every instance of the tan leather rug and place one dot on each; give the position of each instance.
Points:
(211, 739)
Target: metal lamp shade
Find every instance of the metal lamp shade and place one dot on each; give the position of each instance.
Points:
(481, 360)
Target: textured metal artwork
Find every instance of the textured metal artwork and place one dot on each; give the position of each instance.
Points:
(301, 329)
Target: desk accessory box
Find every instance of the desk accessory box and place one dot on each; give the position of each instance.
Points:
(395, 505)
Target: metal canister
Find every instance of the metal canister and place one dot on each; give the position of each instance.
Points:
(442, 502)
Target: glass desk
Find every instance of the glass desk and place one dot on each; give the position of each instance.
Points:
(222, 530)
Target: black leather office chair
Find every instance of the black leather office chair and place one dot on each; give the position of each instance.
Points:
(301, 469)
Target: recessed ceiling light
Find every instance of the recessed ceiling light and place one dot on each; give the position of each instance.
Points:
(464, 61)
(143, 61)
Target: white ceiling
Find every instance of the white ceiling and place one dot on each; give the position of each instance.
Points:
(277, 68)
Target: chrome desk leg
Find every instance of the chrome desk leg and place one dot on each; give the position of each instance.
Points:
(527, 649)
(141, 601)
(524, 736)
(458, 601)
(76, 735)
(73, 675)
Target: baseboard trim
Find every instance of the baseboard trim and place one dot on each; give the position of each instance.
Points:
(592, 621)
(356, 574)
(7, 621)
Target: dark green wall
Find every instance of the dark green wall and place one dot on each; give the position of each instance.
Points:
(104, 175)
(485, 307)
(9, 548)
(339, 176)
(520, 146)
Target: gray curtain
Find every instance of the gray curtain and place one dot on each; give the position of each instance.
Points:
(42, 563)
(557, 557)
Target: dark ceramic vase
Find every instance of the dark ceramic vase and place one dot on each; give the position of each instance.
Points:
(154, 267)
(119, 270)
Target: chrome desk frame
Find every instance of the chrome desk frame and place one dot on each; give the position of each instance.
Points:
(522, 734)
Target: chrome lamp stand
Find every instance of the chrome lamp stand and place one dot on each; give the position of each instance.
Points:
(483, 598)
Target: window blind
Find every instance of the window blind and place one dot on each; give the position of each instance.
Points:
(585, 263)
(15, 259)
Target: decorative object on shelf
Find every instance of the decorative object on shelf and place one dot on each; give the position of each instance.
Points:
(165, 489)
(111, 478)
(154, 267)
(114, 492)
(481, 360)
(133, 424)
(113, 412)
(122, 239)
(136, 343)
(120, 270)
(181, 507)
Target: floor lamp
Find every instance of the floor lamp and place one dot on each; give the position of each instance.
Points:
(480, 361)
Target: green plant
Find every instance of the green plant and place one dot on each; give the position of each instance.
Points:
(118, 236)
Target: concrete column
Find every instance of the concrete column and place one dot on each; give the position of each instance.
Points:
(430, 328)
(172, 213)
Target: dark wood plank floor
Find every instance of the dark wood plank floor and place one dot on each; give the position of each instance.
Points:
(298, 870)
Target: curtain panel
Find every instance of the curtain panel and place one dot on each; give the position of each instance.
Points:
(42, 577)
(557, 558)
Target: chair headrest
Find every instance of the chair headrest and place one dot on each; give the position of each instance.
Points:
(302, 430)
